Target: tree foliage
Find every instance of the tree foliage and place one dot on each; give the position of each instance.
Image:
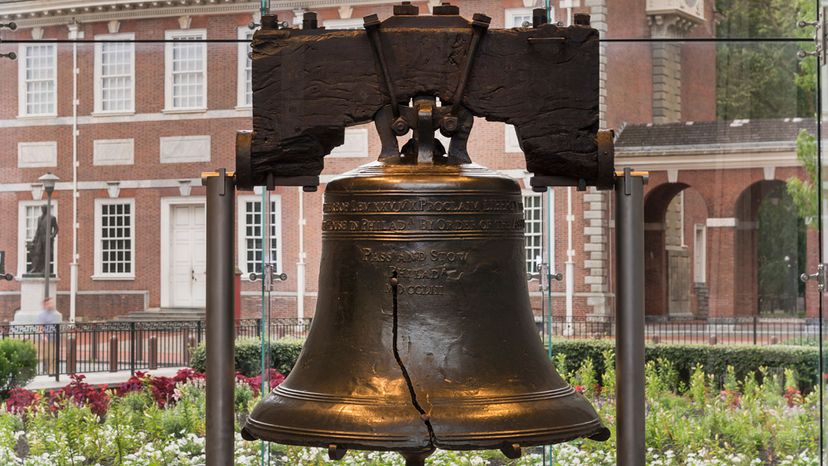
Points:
(764, 79)
(803, 192)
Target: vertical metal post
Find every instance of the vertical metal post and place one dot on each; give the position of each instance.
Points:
(57, 349)
(220, 363)
(629, 342)
(132, 337)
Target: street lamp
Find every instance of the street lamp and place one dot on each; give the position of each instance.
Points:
(48, 180)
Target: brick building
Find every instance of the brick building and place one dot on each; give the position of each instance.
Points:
(139, 121)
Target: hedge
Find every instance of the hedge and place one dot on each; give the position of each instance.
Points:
(18, 363)
(283, 354)
(713, 358)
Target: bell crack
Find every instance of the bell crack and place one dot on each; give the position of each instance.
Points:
(394, 281)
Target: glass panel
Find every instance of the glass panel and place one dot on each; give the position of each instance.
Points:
(720, 128)
(726, 130)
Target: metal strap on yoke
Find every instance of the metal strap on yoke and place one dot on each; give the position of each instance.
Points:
(372, 25)
(480, 24)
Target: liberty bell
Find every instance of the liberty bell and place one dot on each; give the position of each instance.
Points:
(423, 335)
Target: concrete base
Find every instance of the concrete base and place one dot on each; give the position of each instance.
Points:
(31, 299)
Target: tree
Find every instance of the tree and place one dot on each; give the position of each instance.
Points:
(803, 192)
(764, 79)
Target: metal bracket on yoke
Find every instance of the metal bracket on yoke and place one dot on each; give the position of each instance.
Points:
(604, 179)
(396, 119)
(244, 140)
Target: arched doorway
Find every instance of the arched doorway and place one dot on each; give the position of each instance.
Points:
(770, 252)
(675, 246)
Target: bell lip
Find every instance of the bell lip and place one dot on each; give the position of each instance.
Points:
(598, 432)
(351, 441)
(593, 430)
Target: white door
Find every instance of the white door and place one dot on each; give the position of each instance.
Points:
(188, 256)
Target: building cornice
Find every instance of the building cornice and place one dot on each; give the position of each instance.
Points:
(692, 159)
(42, 13)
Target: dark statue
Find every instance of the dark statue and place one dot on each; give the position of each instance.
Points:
(47, 230)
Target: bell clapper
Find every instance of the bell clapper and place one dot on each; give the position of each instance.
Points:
(512, 451)
(335, 453)
(416, 458)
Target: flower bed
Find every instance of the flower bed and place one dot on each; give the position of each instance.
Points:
(160, 421)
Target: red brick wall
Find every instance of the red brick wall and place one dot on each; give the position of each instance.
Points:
(628, 101)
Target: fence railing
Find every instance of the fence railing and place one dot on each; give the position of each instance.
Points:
(750, 330)
(119, 346)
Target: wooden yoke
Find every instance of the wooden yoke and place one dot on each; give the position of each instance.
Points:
(310, 84)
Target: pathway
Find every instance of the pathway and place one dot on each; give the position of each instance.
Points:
(45, 382)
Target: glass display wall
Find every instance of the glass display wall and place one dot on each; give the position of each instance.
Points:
(128, 103)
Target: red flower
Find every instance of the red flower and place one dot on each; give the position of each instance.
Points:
(20, 400)
(187, 374)
(82, 394)
(133, 384)
(579, 388)
(255, 383)
(793, 396)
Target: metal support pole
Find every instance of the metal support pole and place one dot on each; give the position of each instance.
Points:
(220, 364)
(629, 343)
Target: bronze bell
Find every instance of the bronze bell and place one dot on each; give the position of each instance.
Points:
(423, 335)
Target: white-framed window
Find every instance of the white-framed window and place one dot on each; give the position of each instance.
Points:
(699, 253)
(185, 65)
(250, 225)
(245, 67)
(28, 214)
(350, 23)
(517, 17)
(115, 74)
(520, 17)
(114, 238)
(37, 73)
(533, 231)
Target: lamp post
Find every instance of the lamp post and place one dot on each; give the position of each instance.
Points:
(48, 181)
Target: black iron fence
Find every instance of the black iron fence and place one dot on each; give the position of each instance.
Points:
(133, 346)
(749, 330)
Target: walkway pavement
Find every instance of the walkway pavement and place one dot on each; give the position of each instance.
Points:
(45, 382)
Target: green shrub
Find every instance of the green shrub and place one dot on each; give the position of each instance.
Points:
(18, 363)
(283, 355)
(713, 359)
